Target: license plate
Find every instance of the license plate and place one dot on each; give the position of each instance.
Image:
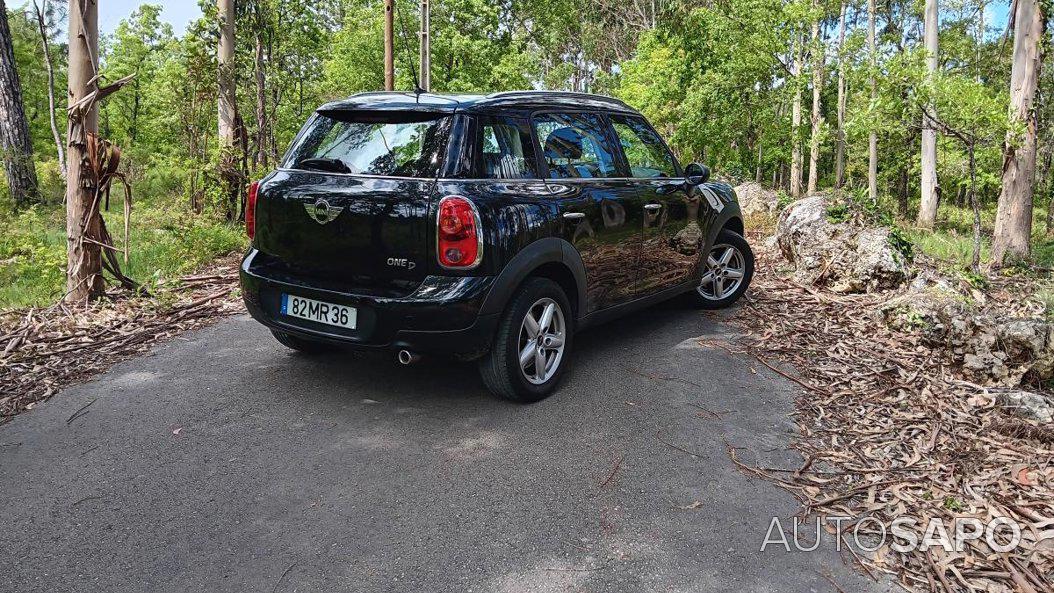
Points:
(319, 312)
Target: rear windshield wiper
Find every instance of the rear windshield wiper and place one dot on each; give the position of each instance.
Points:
(320, 164)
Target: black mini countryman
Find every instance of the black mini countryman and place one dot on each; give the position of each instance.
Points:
(490, 228)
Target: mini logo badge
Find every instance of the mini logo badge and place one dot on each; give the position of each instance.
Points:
(321, 212)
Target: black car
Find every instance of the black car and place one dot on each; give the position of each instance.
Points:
(490, 228)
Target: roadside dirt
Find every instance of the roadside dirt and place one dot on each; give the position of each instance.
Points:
(891, 428)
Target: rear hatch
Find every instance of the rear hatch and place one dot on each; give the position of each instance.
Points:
(351, 203)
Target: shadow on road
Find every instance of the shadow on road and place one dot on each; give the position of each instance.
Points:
(656, 329)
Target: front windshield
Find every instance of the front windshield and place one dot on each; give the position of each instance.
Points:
(391, 145)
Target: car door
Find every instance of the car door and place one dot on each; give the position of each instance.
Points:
(600, 212)
(672, 232)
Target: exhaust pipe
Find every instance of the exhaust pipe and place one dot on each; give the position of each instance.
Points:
(407, 358)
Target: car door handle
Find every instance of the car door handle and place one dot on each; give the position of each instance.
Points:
(653, 207)
(574, 215)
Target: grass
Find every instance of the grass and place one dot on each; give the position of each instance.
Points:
(948, 246)
(952, 240)
(166, 241)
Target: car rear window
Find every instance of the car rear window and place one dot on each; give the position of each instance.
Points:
(372, 143)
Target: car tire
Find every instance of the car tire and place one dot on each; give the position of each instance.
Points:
(300, 344)
(727, 272)
(502, 370)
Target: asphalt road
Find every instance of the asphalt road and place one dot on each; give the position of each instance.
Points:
(223, 462)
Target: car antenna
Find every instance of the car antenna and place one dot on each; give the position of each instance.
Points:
(406, 51)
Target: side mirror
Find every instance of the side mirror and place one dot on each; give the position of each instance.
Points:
(696, 174)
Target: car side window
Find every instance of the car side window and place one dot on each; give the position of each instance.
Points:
(505, 149)
(575, 145)
(645, 152)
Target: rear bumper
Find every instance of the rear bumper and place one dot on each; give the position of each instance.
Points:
(441, 316)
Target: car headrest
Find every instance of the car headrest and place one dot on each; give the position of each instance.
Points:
(564, 143)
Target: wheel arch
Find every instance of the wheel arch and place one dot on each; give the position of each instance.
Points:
(734, 224)
(551, 258)
(731, 218)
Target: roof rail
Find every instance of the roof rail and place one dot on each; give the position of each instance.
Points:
(561, 93)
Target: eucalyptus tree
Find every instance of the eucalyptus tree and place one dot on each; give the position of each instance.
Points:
(1013, 223)
(928, 209)
(84, 279)
(228, 109)
(817, 49)
(872, 137)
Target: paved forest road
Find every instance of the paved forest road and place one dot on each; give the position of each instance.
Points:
(223, 462)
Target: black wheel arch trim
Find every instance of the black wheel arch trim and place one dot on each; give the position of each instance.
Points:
(730, 213)
(527, 261)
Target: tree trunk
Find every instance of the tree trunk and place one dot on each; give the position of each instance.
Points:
(228, 110)
(817, 117)
(980, 37)
(389, 45)
(14, 128)
(84, 279)
(872, 139)
(839, 149)
(1047, 184)
(975, 206)
(758, 172)
(902, 190)
(45, 40)
(426, 47)
(796, 156)
(930, 192)
(261, 103)
(1050, 210)
(1013, 221)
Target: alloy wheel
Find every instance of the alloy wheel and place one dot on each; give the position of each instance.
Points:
(541, 341)
(725, 269)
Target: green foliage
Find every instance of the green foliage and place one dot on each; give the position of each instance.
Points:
(978, 281)
(32, 256)
(838, 213)
(163, 247)
(783, 199)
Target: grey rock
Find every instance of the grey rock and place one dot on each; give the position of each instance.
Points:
(844, 256)
(1029, 405)
(755, 199)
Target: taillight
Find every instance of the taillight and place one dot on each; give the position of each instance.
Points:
(459, 238)
(250, 210)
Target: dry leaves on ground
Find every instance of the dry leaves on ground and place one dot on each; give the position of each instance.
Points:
(891, 430)
(43, 351)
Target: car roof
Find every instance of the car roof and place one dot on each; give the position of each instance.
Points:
(449, 103)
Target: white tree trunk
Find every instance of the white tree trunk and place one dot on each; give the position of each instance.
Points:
(1013, 221)
(839, 151)
(227, 108)
(817, 116)
(796, 156)
(930, 192)
(872, 140)
(84, 257)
